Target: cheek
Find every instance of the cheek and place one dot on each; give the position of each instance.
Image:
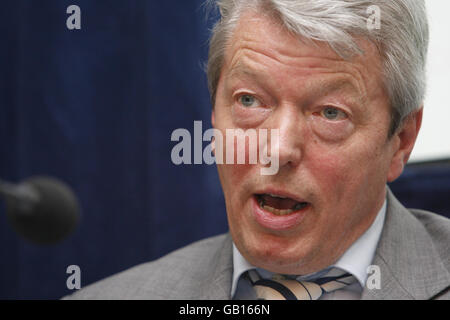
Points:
(233, 176)
(330, 173)
(240, 152)
(340, 171)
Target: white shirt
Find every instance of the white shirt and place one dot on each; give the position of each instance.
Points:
(355, 260)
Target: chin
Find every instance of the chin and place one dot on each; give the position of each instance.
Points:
(275, 253)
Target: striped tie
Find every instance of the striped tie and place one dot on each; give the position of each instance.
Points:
(281, 288)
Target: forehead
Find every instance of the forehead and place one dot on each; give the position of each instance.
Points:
(266, 32)
(260, 40)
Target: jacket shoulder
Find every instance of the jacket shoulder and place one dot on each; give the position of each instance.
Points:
(174, 276)
(438, 228)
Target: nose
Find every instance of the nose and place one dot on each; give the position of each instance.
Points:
(288, 120)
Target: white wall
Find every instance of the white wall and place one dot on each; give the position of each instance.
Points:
(434, 138)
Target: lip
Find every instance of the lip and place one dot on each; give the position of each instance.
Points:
(280, 193)
(273, 222)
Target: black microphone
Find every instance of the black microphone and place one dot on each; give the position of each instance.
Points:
(42, 209)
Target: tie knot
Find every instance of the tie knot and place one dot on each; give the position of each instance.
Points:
(282, 287)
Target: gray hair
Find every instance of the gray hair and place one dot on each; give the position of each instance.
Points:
(402, 39)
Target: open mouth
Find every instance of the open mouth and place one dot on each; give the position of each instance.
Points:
(279, 205)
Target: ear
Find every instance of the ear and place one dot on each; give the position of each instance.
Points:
(403, 143)
(213, 120)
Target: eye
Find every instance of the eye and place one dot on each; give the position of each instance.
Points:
(249, 101)
(333, 114)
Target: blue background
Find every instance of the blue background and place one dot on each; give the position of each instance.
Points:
(96, 108)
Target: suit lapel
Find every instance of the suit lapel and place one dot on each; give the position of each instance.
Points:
(410, 266)
(217, 284)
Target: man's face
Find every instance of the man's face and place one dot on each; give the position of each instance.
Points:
(334, 154)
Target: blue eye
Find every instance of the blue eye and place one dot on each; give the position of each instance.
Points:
(333, 114)
(249, 101)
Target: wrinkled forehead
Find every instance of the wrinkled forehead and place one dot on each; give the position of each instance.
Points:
(263, 37)
(268, 31)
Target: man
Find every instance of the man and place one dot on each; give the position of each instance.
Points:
(346, 95)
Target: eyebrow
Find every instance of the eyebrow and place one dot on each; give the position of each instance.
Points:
(318, 88)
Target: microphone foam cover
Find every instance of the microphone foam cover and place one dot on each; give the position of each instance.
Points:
(49, 220)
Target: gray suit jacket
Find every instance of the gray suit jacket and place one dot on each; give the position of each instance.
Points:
(413, 255)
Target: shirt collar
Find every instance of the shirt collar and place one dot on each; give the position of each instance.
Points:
(355, 260)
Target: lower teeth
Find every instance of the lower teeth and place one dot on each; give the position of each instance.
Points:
(278, 212)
